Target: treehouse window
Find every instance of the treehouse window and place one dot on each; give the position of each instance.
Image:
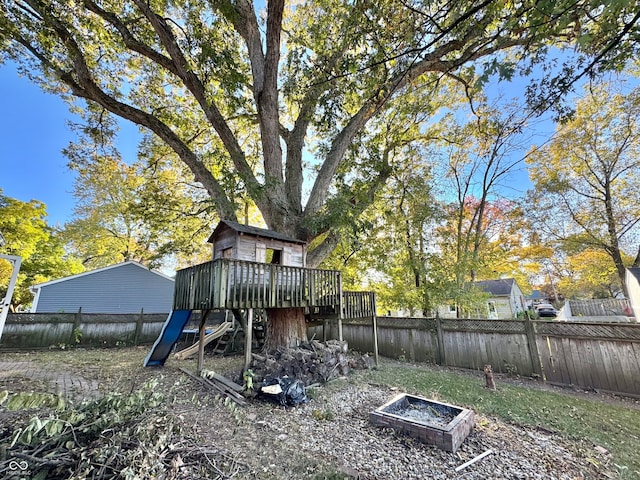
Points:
(273, 256)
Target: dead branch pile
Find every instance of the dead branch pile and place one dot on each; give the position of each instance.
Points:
(118, 436)
(310, 363)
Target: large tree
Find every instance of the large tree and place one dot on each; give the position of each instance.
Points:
(241, 94)
(586, 178)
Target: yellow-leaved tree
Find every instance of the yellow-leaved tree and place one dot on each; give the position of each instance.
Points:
(586, 179)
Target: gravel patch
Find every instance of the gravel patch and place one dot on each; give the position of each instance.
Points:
(332, 433)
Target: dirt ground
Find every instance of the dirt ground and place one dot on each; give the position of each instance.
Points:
(330, 437)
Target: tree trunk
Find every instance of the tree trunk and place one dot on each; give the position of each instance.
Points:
(286, 327)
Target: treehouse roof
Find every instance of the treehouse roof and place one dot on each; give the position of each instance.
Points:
(252, 231)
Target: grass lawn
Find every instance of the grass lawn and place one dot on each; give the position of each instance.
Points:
(611, 425)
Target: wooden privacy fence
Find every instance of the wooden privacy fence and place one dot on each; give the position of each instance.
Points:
(44, 330)
(587, 355)
(600, 308)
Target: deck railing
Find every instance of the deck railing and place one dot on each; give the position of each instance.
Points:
(227, 283)
(358, 305)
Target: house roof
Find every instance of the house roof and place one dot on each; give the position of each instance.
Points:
(497, 288)
(90, 272)
(253, 231)
(536, 295)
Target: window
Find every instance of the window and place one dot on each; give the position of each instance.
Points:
(492, 307)
(273, 256)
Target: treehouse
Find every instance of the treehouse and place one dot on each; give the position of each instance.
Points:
(255, 268)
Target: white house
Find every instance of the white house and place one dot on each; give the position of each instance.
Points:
(633, 287)
(506, 300)
(127, 287)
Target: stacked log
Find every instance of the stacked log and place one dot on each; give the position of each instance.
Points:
(310, 363)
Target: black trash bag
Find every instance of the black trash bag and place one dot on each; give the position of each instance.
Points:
(284, 390)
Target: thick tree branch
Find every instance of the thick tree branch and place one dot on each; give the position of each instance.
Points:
(83, 85)
(180, 67)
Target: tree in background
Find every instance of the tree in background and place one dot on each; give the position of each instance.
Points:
(401, 239)
(24, 227)
(143, 211)
(586, 178)
(590, 274)
(482, 228)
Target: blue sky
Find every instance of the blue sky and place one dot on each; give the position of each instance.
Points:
(33, 131)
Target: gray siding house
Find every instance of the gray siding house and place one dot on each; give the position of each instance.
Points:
(127, 287)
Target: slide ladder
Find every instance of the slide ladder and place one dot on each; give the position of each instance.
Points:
(218, 332)
(170, 334)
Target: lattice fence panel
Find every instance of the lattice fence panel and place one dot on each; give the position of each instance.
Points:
(620, 331)
(483, 325)
(401, 322)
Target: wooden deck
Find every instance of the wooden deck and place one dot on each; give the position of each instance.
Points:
(229, 284)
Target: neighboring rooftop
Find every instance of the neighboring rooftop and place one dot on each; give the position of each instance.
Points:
(497, 288)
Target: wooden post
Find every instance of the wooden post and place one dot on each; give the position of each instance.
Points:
(273, 280)
(536, 362)
(139, 324)
(202, 332)
(340, 306)
(248, 340)
(77, 320)
(442, 360)
(375, 328)
(224, 279)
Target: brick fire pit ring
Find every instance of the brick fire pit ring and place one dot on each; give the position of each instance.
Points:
(440, 424)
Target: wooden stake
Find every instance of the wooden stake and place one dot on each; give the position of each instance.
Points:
(201, 333)
(488, 378)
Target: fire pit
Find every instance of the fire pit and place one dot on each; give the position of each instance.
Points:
(439, 424)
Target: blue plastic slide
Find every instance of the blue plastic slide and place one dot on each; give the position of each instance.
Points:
(169, 335)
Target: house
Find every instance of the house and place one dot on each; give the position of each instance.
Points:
(233, 240)
(127, 287)
(633, 288)
(506, 300)
(535, 298)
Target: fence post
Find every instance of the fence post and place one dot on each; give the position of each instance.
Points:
(340, 307)
(139, 324)
(536, 363)
(77, 320)
(442, 360)
(374, 319)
